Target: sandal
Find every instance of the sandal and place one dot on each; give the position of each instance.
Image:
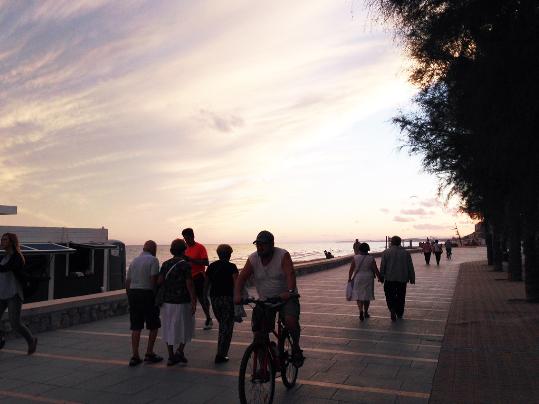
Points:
(152, 358)
(172, 360)
(135, 361)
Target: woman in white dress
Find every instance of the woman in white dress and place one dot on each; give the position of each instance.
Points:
(362, 272)
(179, 303)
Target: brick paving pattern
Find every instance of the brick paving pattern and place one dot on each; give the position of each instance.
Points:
(490, 351)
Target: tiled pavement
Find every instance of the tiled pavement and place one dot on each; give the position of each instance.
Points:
(376, 361)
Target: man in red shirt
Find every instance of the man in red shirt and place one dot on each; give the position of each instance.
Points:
(198, 258)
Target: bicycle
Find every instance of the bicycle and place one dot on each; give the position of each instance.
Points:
(263, 358)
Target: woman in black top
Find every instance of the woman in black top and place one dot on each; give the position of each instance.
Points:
(179, 303)
(11, 294)
(220, 278)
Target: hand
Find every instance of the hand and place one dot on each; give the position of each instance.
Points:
(285, 296)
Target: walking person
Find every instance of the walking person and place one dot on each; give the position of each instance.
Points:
(438, 250)
(198, 258)
(396, 270)
(179, 302)
(448, 249)
(427, 251)
(362, 272)
(12, 279)
(220, 278)
(355, 246)
(140, 283)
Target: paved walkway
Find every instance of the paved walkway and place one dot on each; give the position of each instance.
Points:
(376, 361)
(490, 352)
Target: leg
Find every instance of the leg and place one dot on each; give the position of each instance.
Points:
(151, 341)
(226, 327)
(360, 307)
(203, 300)
(389, 289)
(14, 307)
(366, 305)
(153, 323)
(135, 341)
(290, 311)
(400, 298)
(3, 307)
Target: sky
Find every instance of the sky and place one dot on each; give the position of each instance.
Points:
(230, 117)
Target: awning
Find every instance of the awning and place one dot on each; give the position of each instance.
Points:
(43, 248)
(95, 246)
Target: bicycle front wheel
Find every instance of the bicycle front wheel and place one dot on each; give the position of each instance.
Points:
(257, 375)
(289, 372)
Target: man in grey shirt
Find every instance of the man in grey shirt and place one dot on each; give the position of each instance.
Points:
(140, 284)
(396, 270)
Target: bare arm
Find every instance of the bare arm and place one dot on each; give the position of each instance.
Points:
(243, 276)
(191, 289)
(375, 270)
(351, 271)
(288, 269)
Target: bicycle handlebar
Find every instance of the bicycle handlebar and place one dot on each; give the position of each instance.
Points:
(272, 301)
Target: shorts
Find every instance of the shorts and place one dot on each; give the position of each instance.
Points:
(263, 320)
(142, 309)
(198, 282)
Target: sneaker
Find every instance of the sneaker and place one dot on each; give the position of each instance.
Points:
(221, 359)
(32, 347)
(298, 358)
(152, 358)
(135, 361)
(208, 324)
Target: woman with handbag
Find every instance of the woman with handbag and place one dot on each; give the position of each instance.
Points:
(361, 276)
(11, 295)
(179, 302)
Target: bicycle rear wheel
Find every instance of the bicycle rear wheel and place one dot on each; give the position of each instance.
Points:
(289, 372)
(257, 375)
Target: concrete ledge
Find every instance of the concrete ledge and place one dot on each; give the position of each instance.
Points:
(63, 313)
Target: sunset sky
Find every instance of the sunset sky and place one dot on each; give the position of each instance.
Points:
(226, 116)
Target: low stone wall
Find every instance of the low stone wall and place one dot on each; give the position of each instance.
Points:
(63, 313)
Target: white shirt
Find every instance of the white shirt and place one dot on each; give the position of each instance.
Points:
(141, 271)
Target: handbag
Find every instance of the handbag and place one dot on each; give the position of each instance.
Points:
(350, 285)
(159, 298)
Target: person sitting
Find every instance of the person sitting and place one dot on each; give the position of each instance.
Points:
(274, 276)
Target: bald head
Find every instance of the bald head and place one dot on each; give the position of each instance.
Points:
(150, 246)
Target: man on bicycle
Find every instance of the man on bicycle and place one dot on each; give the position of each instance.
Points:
(274, 276)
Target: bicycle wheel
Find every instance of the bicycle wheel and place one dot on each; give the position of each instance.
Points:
(289, 372)
(257, 375)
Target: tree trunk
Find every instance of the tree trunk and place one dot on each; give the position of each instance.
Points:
(488, 242)
(497, 255)
(515, 255)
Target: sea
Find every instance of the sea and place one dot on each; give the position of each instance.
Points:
(298, 251)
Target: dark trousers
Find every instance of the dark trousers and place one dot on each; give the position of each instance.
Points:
(223, 308)
(395, 296)
(427, 258)
(198, 281)
(438, 255)
(14, 306)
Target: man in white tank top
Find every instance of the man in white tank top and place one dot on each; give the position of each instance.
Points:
(274, 276)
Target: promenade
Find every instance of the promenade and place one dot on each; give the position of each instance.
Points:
(376, 361)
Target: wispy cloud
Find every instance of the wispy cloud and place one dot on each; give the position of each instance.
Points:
(403, 219)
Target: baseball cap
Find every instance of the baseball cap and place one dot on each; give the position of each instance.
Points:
(264, 237)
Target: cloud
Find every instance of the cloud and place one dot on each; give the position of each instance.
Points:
(224, 122)
(418, 212)
(402, 219)
(431, 227)
(430, 203)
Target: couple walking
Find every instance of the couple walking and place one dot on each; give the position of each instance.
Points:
(396, 270)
